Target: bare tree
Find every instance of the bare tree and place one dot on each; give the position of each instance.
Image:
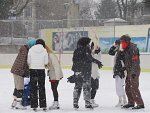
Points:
(85, 11)
(127, 8)
(10, 8)
(106, 9)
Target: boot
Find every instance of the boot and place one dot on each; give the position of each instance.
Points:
(45, 109)
(35, 109)
(124, 100)
(55, 105)
(119, 104)
(128, 106)
(19, 105)
(75, 105)
(139, 107)
(14, 103)
(88, 104)
(93, 103)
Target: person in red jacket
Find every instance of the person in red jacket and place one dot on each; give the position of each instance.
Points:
(132, 64)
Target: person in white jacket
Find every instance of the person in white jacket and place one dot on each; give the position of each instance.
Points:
(37, 60)
(55, 75)
(95, 76)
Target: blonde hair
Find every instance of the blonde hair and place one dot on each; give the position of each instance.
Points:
(49, 50)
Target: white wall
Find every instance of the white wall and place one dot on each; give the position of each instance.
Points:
(66, 60)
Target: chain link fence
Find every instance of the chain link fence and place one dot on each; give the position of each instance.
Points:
(64, 34)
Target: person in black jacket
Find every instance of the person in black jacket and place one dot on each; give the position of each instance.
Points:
(119, 72)
(82, 64)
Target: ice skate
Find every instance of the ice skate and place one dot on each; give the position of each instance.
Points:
(128, 106)
(124, 100)
(119, 104)
(14, 103)
(93, 103)
(35, 109)
(75, 105)
(88, 105)
(45, 109)
(19, 105)
(55, 105)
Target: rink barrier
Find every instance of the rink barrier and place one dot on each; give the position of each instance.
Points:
(69, 67)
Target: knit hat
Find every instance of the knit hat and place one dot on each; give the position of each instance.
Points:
(125, 38)
(31, 42)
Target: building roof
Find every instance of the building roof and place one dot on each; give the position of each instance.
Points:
(119, 20)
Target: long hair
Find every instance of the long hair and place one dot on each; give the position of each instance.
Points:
(49, 50)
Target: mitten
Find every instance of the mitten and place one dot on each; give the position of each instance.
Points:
(100, 65)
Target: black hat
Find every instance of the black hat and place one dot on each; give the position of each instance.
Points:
(40, 41)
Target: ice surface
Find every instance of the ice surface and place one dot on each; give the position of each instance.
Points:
(106, 95)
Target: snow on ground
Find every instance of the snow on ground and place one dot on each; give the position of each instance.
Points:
(106, 96)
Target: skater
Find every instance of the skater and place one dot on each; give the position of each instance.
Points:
(119, 72)
(82, 64)
(37, 60)
(55, 75)
(96, 53)
(132, 64)
(20, 70)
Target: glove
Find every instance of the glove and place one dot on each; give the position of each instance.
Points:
(114, 76)
(100, 65)
(133, 76)
(123, 68)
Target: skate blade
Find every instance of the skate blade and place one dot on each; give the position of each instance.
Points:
(20, 108)
(54, 108)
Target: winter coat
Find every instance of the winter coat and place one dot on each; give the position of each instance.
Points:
(82, 61)
(55, 67)
(95, 73)
(132, 60)
(37, 57)
(20, 66)
(119, 60)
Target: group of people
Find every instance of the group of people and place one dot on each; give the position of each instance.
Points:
(127, 68)
(32, 60)
(34, 57)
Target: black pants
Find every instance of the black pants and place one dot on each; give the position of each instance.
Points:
(54, 86)
(37, 80)
(94, 87)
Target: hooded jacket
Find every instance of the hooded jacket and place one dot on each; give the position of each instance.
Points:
(37, 57)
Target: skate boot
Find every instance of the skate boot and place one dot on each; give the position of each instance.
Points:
(93, 103)
(75, 105)
(119, 104)
(88, 105)
(124, 100)
(19, 105)
(35, 109)
(14, 103)
(139, 107)
(55, 105)
(128, 106)
(45, 109)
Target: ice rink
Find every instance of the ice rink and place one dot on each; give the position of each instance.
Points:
(106, 95)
